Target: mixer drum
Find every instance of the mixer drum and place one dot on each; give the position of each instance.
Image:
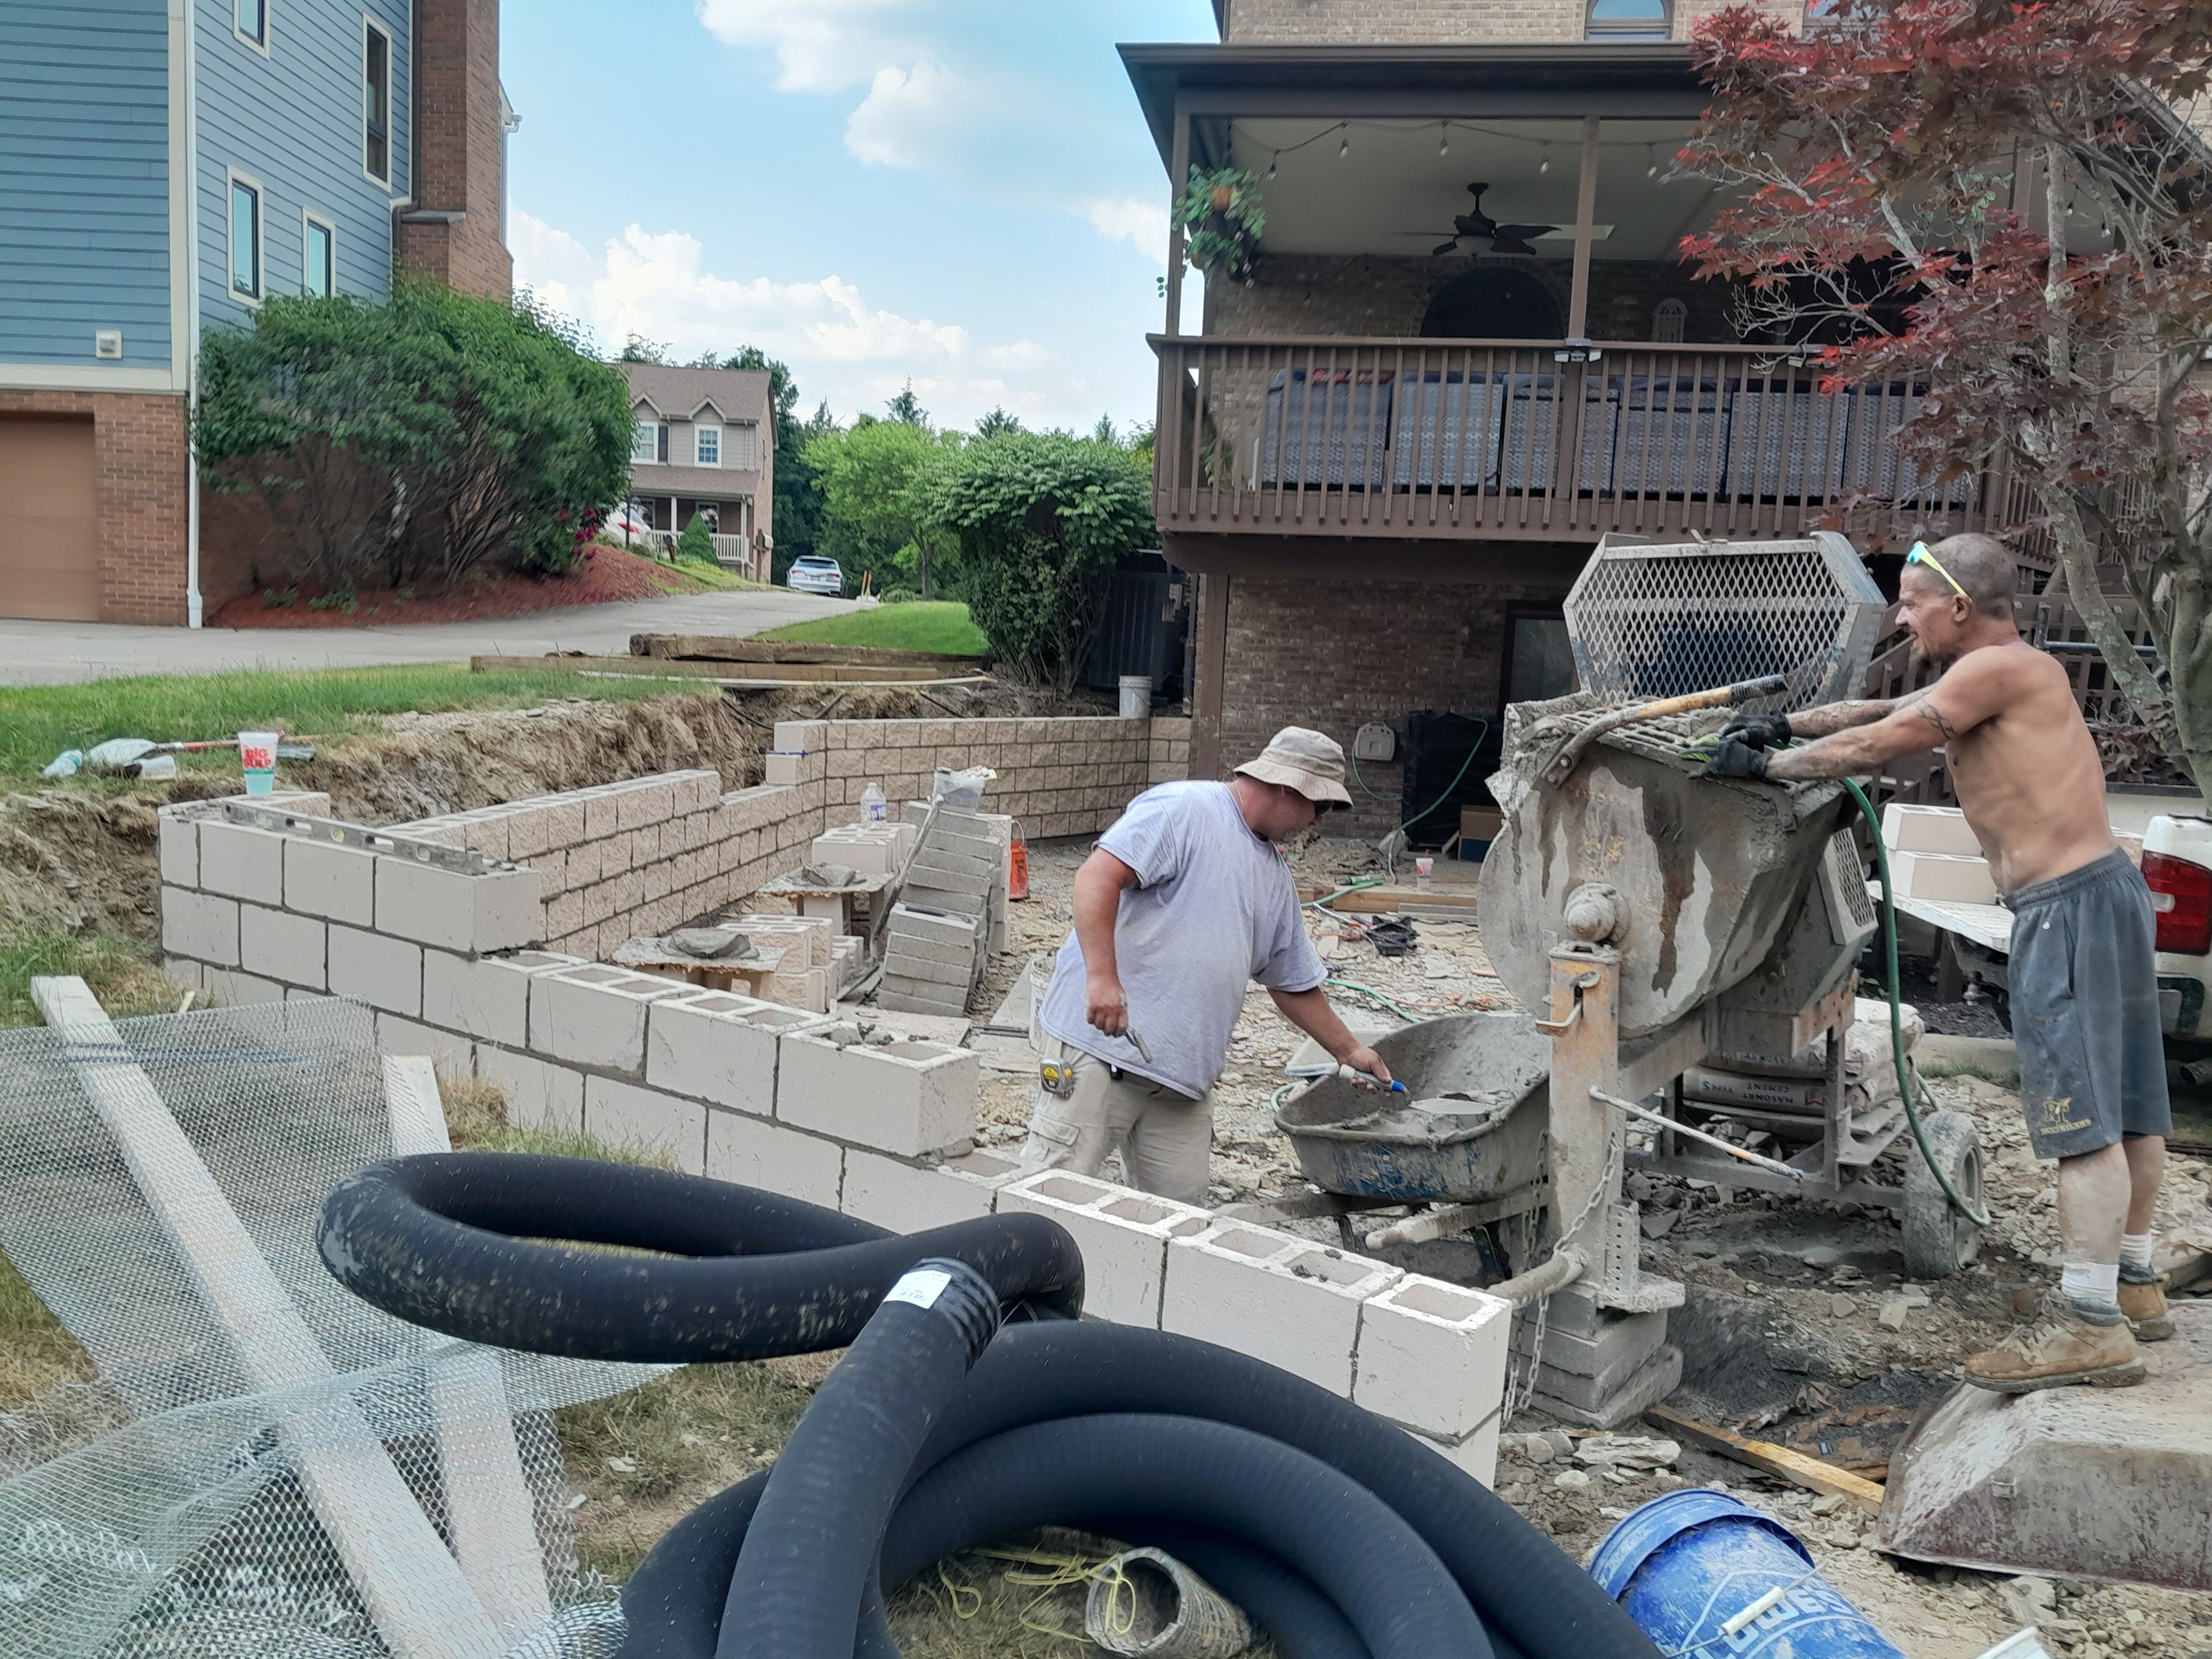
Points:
(1708, 870)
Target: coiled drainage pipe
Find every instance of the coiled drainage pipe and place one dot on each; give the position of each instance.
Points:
(1339, 1536)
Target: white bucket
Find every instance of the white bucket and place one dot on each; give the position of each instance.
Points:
(1136, 696)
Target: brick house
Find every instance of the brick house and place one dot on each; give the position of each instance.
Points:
(704, 442)
(1387, 456)
(171, 164)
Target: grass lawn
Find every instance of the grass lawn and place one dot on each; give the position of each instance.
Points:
(37, 722)
(940, 625)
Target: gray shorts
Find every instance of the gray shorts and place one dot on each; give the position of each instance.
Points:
(2084, 988)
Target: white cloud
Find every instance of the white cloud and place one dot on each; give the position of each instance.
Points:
(911, 118)
(820, 45)
(1143, 224)
(839, 346)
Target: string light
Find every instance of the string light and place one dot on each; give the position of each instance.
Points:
(1544, 161)
(1272, 160)
(1345, 148)
(1444, 138)
(1651, 161)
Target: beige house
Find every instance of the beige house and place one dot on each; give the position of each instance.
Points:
(1466, 350)
(704, 442)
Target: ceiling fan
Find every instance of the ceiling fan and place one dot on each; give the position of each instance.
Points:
(1478, 233)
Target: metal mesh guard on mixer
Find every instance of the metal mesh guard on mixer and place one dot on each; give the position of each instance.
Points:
(1656, 620)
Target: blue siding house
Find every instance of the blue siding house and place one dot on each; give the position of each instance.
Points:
(166, 165)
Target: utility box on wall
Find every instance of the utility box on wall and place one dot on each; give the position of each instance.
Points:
(1145, 612)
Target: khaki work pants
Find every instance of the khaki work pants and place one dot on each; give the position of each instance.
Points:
(1165, 1139)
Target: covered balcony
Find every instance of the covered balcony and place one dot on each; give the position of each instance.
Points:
(1468, 318)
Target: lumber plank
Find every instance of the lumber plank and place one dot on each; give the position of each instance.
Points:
(722, 648)
(412, 1588)
(488, 1502)
(1381, 901)
(1780, 1462)
(671, 668)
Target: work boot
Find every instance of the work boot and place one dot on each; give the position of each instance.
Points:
(2142, 1299)
(2061, 1345)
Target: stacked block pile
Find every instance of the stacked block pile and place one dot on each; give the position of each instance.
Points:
(956, 885)
(1933, 854)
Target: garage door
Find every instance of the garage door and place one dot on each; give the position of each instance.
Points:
(48, 563)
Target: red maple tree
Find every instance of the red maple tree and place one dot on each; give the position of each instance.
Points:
(2007, 204)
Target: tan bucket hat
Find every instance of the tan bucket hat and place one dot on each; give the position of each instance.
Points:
(1305, 761)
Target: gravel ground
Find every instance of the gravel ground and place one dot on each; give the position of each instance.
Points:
(1784, 1325)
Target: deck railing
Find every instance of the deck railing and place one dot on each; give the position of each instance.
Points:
(1489, 440)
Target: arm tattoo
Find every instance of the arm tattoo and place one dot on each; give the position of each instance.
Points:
(1928, 711)
(1832, 718)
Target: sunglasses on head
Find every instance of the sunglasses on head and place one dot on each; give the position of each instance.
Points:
(1920, 555)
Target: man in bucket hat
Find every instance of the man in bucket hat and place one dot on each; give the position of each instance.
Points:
(1184, 902)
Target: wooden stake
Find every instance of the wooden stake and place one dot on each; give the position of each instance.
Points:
(1765, 1456)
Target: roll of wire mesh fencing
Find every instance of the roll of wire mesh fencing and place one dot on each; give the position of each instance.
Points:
(971, 1404)
(1145, 1604)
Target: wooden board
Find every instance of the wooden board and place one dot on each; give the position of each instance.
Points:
(720, 648)
(414, 1591)
(1383, 901)
(488, 1508)
(670, 668)
(1780, 1462)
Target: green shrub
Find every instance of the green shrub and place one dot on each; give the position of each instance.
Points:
(898, 596)
(412, 440)
(697, 542)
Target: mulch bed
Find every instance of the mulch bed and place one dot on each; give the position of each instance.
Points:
(607, 575)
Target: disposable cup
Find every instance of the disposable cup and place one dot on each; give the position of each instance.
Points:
(257, 755)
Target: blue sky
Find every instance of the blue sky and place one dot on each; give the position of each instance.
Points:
(958, 191)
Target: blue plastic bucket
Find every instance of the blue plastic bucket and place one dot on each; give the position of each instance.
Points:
(1684, 1566)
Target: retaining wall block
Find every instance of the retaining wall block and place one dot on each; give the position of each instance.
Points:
(539, 1095)
(721, 1049)
(1282, 1299)
(1475, 1453)
(185, 971)
(454, 1056)
(240, 862)
(179, 843)
(595, 1015)
(1431, 1356)
(624, 1115)
(385, 973)
(337, 884)
(470, 914)
(1124, 1236)
(488, 997)
(227, 987)
(756, 1152)
(909, 1197)
(910, 1098)
(200, 925)
(279, 945)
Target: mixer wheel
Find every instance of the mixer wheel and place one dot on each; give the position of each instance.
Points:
(1938, 1240)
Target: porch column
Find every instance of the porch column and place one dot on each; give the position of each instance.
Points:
(1212, 674)
(1178, 170)
(1585, 221)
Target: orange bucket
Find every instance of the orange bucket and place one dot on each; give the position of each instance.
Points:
(1018, 866)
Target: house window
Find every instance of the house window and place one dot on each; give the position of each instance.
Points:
(1630, 20)
(376, 101)
(1539, 662)
(707, 445)
(245, 238)
(645, 441)
(1669, 320)
(250, 19)
(318, 271)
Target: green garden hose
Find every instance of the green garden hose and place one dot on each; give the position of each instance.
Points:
(1905, 1079)
(1369, 990)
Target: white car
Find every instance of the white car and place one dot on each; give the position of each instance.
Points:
(2177, 866)
(812, 574)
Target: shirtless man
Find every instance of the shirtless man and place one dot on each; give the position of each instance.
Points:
(2083, 985)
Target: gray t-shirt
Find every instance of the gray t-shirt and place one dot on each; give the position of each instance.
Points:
(1214, 908)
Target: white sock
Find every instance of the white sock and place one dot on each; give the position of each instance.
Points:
(2135, 1249)
(2093, 1284)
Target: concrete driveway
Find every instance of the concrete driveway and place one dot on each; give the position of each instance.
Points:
(53, 654)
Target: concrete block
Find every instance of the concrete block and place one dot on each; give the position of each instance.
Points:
(1942, 876)
(185, 972)
(179, 845)
(1909, 829)
(755, 1152)
(200, 925)
(902, 964)
(720, 1049)
(1292, 1304)
(279, 945)
(595, 1016)
(226, 987)
(1475, 1454)
(336, 883)
(919, 997)
(487, 997)
(908, 1198)
(1124, 1236)
(454, 1056)
(1658, 1376)
(239, 861)
(540, 1096)
(807, 937)
(910, 1098)
(1431, 1356)
(1615, 1346)
(453, 911)
(385, 973)
(624, 1115)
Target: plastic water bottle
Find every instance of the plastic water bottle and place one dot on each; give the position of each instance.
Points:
(874, 809)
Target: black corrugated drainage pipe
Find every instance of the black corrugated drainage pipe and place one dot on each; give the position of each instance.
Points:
(1340, 1535)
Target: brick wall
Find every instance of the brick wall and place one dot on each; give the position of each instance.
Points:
(1334, 655)
(457, 148)
(1442, 22)
(140, 501)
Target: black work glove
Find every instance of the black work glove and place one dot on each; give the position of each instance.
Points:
(1729, 756)
(1759, 731)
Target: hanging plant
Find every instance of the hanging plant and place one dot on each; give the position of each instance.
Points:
(1222, 218)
